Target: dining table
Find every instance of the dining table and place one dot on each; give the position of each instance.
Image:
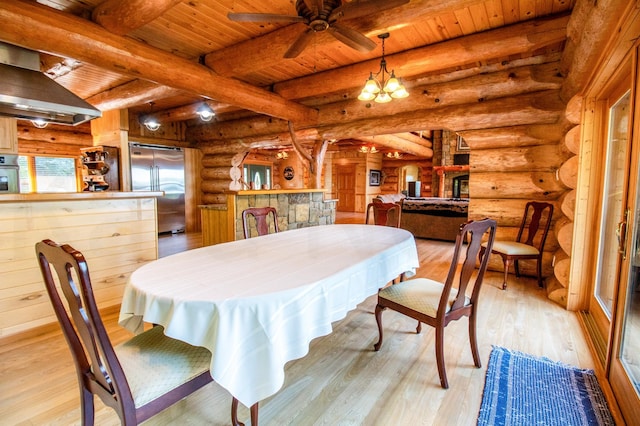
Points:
(257, 303)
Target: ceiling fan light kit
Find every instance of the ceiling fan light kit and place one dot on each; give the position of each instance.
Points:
(380, 89)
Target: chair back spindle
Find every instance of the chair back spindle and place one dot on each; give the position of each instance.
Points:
(384, 214)
(260, 214)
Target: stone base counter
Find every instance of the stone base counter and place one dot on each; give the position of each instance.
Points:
(297, 208)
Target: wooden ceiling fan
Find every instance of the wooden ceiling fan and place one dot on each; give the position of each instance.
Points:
(324, 15)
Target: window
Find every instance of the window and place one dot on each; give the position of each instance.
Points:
(257, 175)
(47, 174)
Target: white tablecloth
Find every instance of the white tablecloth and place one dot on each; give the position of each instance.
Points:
(257, 303)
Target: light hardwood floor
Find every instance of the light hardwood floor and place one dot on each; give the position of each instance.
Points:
(341, 381)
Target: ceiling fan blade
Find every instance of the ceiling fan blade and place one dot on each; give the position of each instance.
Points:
(263, 17)
(352, 38)
(298, 46)
(358, 9)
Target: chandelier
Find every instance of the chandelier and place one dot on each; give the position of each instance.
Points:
(394, 155)
(378, 88)
(368, 149)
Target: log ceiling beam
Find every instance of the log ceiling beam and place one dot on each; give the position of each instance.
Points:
(130, 94)
(39, 27)
(512, 40)
(123, 16)
(396, 143)
(540, 107)
(426, 101)
(478, 88)
(419, 140)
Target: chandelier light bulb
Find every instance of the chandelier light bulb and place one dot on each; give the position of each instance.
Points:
(392, 85)
(383, 98)
(366, 96)
(372, 85)
(400, 93)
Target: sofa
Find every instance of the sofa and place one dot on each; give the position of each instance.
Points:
(434, 218)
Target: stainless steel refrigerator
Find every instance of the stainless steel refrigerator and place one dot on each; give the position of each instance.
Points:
(157, 168)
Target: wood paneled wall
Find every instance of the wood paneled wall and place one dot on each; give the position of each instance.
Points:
(116, 236)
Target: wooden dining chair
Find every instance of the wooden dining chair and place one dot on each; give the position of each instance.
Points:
(260, 215)
(385, 214)
(437, 304)
(138, 378)
(536, 221)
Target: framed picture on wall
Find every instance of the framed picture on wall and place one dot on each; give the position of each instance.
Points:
(374, 177)
(462, 144)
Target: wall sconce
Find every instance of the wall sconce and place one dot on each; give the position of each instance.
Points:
(395, 155)
(368, 149)
(282, 155)
(150, 121)
(205, 112)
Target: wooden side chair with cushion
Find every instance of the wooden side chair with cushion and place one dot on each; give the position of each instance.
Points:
(138, 378)
(260, 215)
(536, 222)
(385, 214)
(437, 304)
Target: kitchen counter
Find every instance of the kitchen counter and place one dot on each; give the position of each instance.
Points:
(297, 208)
(116, 232)
(71, 196)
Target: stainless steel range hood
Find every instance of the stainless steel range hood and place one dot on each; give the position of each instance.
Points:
(28, 94)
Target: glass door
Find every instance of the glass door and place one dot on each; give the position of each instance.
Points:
(624, 373)
(616, 110)
(624, 361)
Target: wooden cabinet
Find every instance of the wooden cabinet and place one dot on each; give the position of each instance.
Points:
(8, 136)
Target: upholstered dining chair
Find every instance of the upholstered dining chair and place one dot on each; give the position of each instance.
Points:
(138, 378)
(260, 215)
(435, 303)
(536, 221)
(386, 214)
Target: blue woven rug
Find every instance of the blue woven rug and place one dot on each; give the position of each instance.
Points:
(520, 389)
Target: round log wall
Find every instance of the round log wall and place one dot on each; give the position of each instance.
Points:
(536, 162)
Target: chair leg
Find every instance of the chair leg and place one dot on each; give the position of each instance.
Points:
(234, 412)
(419, 327)
(379, 309)
(440, 357)
(506, 264)
(473, 340)
(87, 407)
(539, 270)
(254, 414)
(516, 267)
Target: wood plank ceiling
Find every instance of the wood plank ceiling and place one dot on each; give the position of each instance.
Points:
(199, 31)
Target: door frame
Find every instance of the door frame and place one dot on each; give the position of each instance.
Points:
(623, 389)
(625, 50)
